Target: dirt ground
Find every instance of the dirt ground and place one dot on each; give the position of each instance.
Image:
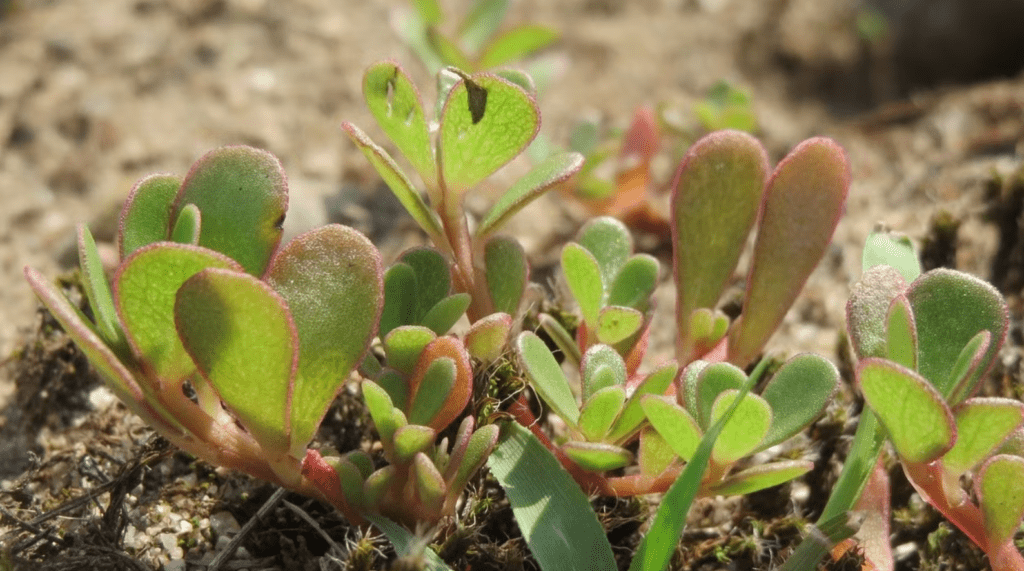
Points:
(93, 96)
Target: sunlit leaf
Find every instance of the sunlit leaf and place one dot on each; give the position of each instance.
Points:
(656, 382)
(517, 43)
(506, 271)
(868, 307)
(601, 367)
(583, 275)
(673, 423)
(600, 411)
(546, 376)
(146, 216)
(487, 337)
(609, 242)
(891, 249)
(760, 477)
(745, 430)
(798, 394)
(982, 425)
(394, 101)
(1002, 496)
(597, 456)
(553, 170)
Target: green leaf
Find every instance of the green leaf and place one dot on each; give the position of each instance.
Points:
(583, 276)
(552, 512)
(406, 543)
(242, 338)
(386, 418)
(451, 54)
(97, 291)
(711, 382)
(803, 203)
(609, 242)
(552, 171)
(966, 364)
(673, 423)
(430, 486)
(745, 431)
(601, 367)
(656, 383)
(487, 337)
(901, 333)
(982, 425)
(395, 103)
(242, 194)
(331, 280)
(714, 204)
(868, 307)
(187, 228)
(517, 43)
(376, 486)
(707, 328)
(423, 381)
(761, 477)
(912, 411)
(635, 283)
(654, 455)
(891, 249)
(506, 271)
(597, 456)
(950, 308)
(485, 123)
(1002, 496)
(524, 80)
(399, 299)
(144, 291)
(398, 182)
(395, 384)
(350, 480)
(481, 23)
(445, 313)
(433, 278)
(618, 324)
(600, 411)
(404, 345)
(410, 440)
(437, 381)
(798, 394)
(146, 216)
(546, 376)
(477, 450)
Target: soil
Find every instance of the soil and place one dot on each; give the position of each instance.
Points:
(93, 96)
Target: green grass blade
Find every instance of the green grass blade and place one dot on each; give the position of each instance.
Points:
(553, 513)
(407, 544)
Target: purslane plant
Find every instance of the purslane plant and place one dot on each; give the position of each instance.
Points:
(721, 190)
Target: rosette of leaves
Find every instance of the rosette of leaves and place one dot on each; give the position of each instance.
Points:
(229, 346)
(483, 121)
(615, 409)
(722, 189)
(612, 287)
(923, 349)
(421, 387)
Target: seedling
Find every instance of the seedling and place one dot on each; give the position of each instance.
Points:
(483, 121)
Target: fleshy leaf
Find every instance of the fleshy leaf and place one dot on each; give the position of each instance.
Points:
(891, 249)
(583, 275)
(716, 193)
(867, 308)
(597, 359)
(656, 382)
(349, 479)
(395, 384)
(478, 449)
(395, 103)
(144, 291)
(912, 411)
(901, 333)
(188, 225)
(950, 308)
(506, 271)
(1002, 496)
(758, 478)
(635, 282)
(654, 455)
(600, 411)
(243, 195)
(437, 381)
(609, 241)
(404, 345)
(798, 393)
(399, 298)
(410, 440)
(377, 484)
(430, 486)
(553, 170)
(967, 362)
(397, 181)
(331, 280)
(617, 324)
(456, 399)
(982, 425)
(711, 382)
(97, 291)
(146, 216)
(242, 338)
(445, 313)
(673, 423)
(803, 203)
(745, 430)
(546, 376)
(597, 456)
(486, 122)
(707, 328)
(486, 338)
(433, 277)
(386, 418)
(517, 43)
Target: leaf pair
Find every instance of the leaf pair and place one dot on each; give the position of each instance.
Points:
(721, 189)
(796, 395)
